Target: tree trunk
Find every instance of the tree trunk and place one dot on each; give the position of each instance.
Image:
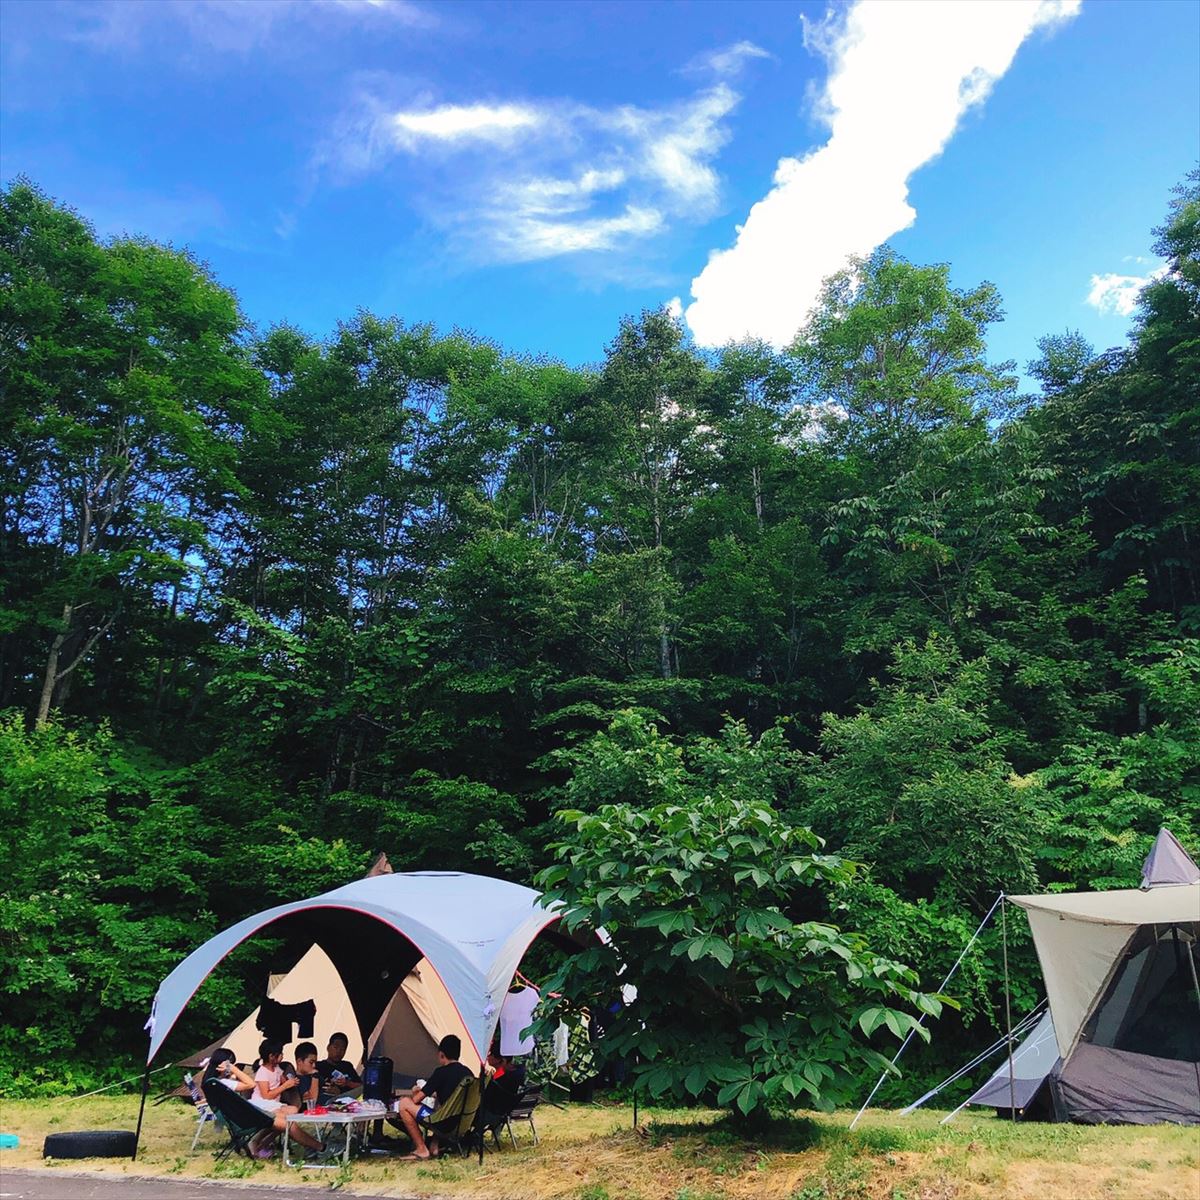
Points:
(51, 676)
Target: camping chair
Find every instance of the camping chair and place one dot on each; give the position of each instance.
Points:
(531, 1097)
(491, 1122)
(203, 1108)
(451, 1123)
(239, 1116)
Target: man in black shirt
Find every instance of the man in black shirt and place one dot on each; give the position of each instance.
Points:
(337, 1075)
(440, 1085)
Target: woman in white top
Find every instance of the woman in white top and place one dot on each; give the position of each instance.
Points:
(270, 1082)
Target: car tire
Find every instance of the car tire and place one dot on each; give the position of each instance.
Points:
(92, 1143)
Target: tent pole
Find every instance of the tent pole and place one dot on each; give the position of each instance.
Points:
(479, 1123)
(1012, 1083)
(1190, 951)
(635, 1106)
(137, 1137)
(921, 1021)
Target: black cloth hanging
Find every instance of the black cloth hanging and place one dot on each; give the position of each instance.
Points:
(275, 1020)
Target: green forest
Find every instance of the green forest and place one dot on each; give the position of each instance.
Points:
(271, 604)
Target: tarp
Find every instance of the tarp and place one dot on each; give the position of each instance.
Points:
(472, 929)
(1082, 936)
(1123, 906)
(1033, 1060)
(1168, 863)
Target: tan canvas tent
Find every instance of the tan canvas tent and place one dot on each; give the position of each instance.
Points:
(313, 978)
(420, 1014)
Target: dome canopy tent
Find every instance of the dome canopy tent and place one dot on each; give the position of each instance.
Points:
(473, 931)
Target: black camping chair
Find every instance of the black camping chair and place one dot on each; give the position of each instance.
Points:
(453, 1123)
(240, 1117)
(515, 1108)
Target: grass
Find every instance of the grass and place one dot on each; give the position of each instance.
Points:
(590, 1152)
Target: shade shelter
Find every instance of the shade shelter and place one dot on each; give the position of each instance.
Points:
(1121, 1040)
(471, 930)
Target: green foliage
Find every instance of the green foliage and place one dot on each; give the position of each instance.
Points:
(917, 783)
(720, 912)
(271, 604)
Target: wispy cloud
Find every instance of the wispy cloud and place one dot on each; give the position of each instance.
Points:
(1118, 295)
(728, 61)
(558, 178)
(902, 73)
(228, 26)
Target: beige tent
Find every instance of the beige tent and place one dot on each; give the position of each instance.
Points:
(420, 1014)
(313, 978)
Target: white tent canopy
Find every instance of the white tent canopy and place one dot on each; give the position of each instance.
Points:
(472, 930)
(1081, 938)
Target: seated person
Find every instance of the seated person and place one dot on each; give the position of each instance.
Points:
(270, 1081)
(223, 1067)
(440, 1085)
(337, 1075)
(504, 1085)
(308, 1085)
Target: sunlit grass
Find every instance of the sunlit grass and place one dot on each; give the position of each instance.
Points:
(591, 1152)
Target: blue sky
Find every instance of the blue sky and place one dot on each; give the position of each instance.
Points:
(535, 171)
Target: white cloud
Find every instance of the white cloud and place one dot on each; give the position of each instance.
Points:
(902, 74)
(229, 26)
(729, 61)
(674, 308)
(559, 178)
(1118, 295)
(454, 122)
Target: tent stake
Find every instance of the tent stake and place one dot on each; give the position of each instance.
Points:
(921, 1020)
(137, 1137)
(1012, 1083)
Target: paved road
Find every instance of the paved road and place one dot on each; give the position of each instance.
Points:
(61, 1185)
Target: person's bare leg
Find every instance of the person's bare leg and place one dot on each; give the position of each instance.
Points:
(297, 1134)
(408, 1117)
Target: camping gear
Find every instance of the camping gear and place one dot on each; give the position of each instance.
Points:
(92, 1143)
(314, 977)
(241, 1118)
(377, 1079)
(472, 930)
(1121, 1041)
(419, 1014)
(204, 1113)
(452, 1123)
(523, 1110)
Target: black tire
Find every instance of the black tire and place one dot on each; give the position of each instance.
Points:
(93, 1143)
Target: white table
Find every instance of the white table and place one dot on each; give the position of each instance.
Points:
(312, 1121)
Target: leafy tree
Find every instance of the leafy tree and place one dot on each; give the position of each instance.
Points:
(719, 912)
(917, 784)
(124, 385)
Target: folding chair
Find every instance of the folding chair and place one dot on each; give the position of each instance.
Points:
(452, 1123)
(204, 1112)
(531, 1097)
(239, 1117)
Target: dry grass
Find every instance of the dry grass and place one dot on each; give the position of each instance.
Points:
(589, 1152)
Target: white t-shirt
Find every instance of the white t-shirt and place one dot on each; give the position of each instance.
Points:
(272, 1077)
(516, 1014)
